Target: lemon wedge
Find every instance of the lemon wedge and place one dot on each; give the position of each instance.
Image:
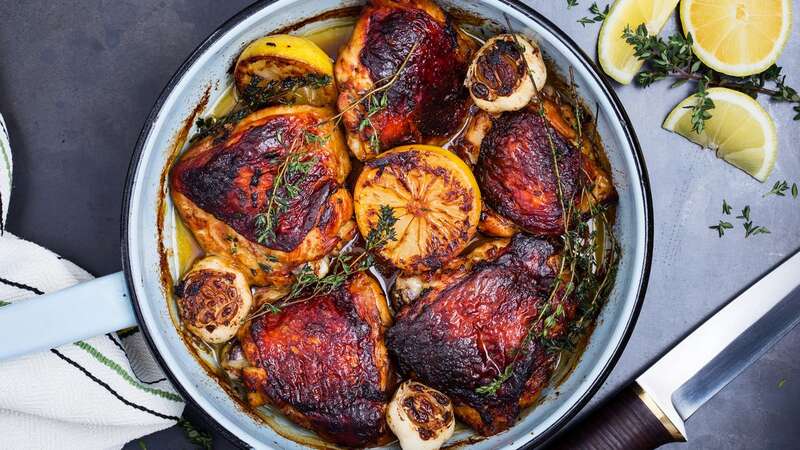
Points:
(615, 55)
(739, 130)
(737, 37)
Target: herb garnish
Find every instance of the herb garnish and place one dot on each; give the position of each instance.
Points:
(258, 94)
(200, 438)
(780, 188)
(599, 15)
(308, 285)
(721, 227)
(571, 3)
(582, 273)
(673, 58)
(701, 108)
(726, 208)
(285, 187)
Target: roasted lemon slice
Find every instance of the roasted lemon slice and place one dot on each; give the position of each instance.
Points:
(434, 198)
(285, 69)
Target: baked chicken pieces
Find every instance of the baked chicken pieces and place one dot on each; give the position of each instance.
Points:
(427, 102)
(323, 362)
(470, 321)
(223, 185)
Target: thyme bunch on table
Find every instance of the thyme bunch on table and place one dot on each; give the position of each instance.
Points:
(308, 284)
(672, 58)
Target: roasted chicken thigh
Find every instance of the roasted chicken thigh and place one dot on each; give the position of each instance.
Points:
(225, 184)
(473, 319)
(323, 362)
(427, 102)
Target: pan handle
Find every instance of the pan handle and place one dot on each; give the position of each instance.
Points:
(77, 312)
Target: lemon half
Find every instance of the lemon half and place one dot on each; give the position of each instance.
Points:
(737, 37)
(739, 130)
(615, 55)
(433, 196)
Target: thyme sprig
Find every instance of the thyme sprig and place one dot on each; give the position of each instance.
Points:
(673, 58)
(308, 284)
(257, 95)
(581, 273)
(598, 15)
(285, 187)
(780, 188)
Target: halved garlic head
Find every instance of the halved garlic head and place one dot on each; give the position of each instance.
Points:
(421, 417)
(214, 299)
(498, 78)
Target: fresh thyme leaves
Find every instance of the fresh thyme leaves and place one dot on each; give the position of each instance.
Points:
(587, 270)
(571, 3)
(234, 243)
(794, 190)
(197, 437)
(285, 187)
(374, 105)
(750, 229)
(598, 15)
(701, 108)
(747, 222)
(673, 58)
(260, 92)
(745, 215)
(492, 388)
(255, 96)
(315, 139)
(726, 208)
(780, 188)
(2, 303)
(308, 284)
(721, 227)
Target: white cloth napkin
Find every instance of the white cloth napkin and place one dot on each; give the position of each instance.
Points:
(93, 394)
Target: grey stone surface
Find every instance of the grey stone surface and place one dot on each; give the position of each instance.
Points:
(77, 79)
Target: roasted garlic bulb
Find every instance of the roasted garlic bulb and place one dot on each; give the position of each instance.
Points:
(214, 299)
(421, 417)
(499, 78)
(283, 69)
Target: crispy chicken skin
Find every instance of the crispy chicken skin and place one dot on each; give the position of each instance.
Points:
(470, 322)
(323, 363)
(222, 183)
(428, 102)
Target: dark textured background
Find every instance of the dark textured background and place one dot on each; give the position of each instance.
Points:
(77, 79)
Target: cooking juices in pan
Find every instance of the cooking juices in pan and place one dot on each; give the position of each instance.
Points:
(551, 344)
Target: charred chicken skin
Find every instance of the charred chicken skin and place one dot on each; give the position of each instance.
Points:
(518, 177)
(323, 362)
(472, 319)
(427, 102)
(223, 186)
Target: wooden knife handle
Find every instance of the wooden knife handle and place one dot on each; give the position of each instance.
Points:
(624, 422)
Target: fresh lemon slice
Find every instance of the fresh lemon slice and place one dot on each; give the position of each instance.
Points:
(737, 37)
(289, 69)
(615, 55)
(739, 129)
(434, 198)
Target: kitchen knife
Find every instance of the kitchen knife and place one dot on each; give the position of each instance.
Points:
(651, 411)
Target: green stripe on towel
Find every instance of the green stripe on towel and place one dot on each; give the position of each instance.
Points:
(124, 374)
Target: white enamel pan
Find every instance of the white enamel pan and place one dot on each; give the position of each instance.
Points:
(137, 297)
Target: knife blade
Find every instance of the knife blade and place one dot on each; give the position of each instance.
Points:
(651, 411)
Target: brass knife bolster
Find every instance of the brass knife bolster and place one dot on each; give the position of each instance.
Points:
(659, 414)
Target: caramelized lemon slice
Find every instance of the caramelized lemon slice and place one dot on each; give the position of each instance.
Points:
(737, 37)
(283, 69)
(433, 196)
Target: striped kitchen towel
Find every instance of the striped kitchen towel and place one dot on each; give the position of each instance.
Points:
(93, 394)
